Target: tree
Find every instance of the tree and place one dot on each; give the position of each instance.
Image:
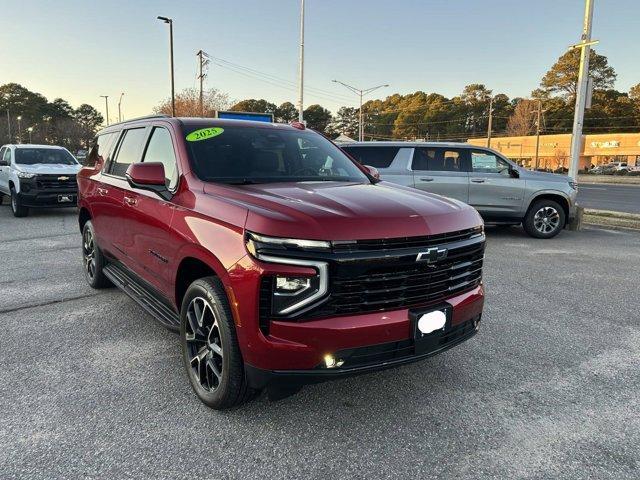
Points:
(317, 117)
(522, 121)
(345, 122)
(562, 78)
(285, 113)
(188, 103)
(634, 95)
(253, 105)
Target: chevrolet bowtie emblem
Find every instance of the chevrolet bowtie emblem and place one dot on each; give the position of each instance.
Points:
(63, 179)
(432, 255)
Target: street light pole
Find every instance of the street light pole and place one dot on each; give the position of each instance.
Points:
(6, 97)
(30, 129)
(539, 113)
(301, 66)
(490, 125)
(119, 107)
(361, 94)
(19, 129)
(581, 92)
(173, 90)
(106, 104)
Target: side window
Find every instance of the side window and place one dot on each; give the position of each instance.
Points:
(129, 152)
(487, 162)
(2, 155)
(100, 150)
(7, 156)
(378, 157)
(437, 160)
(160, 149)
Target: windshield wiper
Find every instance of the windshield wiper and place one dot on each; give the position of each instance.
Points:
(244, 181)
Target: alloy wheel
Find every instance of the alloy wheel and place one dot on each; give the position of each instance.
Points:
(546, 220)
(204, 344)
(89, 253)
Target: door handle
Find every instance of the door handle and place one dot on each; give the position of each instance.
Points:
(102, 191)
(130, 201)
(426, 179)
(478, 180)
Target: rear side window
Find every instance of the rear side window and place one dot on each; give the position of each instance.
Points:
(129, 152)
(378, 157)
(438, 159)
(160, 149)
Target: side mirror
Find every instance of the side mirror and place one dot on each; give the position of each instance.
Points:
(147, 176)
(3, 163)
(514, 172)
(373, 171)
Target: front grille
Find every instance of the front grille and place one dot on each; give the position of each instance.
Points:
(387, 352)
(54, 182)
(401, 282)
(404, 242)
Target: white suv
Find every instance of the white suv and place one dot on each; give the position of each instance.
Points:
(38, 176)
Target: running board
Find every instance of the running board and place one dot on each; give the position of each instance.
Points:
(143, 295)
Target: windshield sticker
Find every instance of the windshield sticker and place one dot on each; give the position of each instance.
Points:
(204, 133)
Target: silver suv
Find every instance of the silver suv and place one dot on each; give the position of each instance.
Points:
(503, 192)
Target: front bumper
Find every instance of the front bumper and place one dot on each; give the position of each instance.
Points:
(48, 199)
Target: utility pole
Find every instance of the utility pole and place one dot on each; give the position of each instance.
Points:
(169, 21)
(539, 113)
(6, 97)
(301, 67)
(106, 105)
(361, 93)
(581, 92)
(490, 122)
(119, 107)
(203, 60)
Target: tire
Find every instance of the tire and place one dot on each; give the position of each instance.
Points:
(93, 260)
(545, 219)
(16, 207)
(210, 350)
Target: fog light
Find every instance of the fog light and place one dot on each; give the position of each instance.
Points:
(292, 285)
(331, 362)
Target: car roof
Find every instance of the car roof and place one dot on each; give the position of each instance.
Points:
(400, 143)
(32, 145)
(195, 122)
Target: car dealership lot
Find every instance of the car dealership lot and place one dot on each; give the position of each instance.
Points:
(91, 387)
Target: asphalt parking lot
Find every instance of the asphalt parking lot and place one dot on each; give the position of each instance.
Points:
(91, 387)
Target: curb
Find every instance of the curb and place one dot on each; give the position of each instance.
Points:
(611, 219)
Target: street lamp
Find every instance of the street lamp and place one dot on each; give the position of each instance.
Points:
(361, 93)
(106, 105)
(30, 129)
(119, 109)
(7, 97)
(173, 91)
(19, 129)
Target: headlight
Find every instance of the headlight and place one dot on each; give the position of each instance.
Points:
(256, 241)
(25, 175)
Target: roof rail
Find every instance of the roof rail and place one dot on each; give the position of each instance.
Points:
(146, 117)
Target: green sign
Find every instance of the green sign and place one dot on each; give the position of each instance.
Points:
(204, 133)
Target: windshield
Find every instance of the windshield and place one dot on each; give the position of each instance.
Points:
(245, 155)
(47, 156)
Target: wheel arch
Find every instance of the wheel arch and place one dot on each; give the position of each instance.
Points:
(84, 215)
(555, 196)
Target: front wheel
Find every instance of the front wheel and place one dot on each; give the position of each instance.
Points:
(544, 219)
(16, 205)
(210, 348)
(93, 260)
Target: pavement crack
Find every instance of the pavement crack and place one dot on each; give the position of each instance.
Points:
(47, 303)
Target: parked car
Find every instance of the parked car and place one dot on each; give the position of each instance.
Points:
(501, 191)
(37, 176)
(279, 260)
(610, 168)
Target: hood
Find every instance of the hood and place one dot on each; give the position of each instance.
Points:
(543, 176)
(346, 211)
(49, 168)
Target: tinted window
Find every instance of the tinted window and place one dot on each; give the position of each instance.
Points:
(487, 162)
(7, 156)
(100, 149)
(437, 159)
(379, 157)
(160, 149)
(47, 156)
(129, 152)
(238, 155)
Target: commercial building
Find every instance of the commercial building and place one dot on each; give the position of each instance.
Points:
(555, 150)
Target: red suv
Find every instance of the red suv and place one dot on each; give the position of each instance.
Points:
(278, 258)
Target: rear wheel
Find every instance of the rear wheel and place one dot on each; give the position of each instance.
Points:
(93, 260)
(210, 348)
(16, 205)
(544, 219)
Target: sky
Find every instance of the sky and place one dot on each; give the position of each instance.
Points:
(79, 49)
